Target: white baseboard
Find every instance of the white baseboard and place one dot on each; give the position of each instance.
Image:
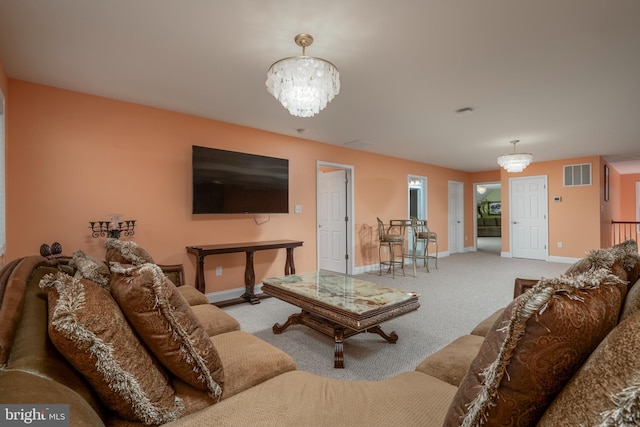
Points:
(228, 294)
(563, 259)
(374, 267)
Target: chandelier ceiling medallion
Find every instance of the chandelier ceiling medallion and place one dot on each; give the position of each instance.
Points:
(515, 162)
(304, 85)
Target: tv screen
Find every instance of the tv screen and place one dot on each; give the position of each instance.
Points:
(228, 182)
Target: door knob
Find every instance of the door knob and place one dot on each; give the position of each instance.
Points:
(514, 222)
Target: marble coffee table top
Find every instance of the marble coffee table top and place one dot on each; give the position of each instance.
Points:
(340, 291)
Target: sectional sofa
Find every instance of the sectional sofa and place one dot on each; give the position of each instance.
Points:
(125, 342)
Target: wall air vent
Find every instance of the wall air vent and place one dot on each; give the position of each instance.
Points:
(577, 175)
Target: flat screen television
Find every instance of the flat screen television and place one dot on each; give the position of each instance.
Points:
(229, 182)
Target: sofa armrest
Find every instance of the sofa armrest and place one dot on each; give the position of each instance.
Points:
(522, 285)
(174, 272)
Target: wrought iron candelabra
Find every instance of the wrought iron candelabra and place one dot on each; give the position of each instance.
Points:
(113, 228)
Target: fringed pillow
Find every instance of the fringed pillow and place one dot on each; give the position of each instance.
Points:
(126, 252)
(88, 328)
(91, 268)
(606, 389)
(549, 332)
(168, 325)
(627, 252)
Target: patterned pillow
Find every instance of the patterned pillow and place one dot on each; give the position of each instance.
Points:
(627, 252)
(91, 268)
(168, 325)
(126, 252)
(89, 330)
(606, 389)
(549, 332)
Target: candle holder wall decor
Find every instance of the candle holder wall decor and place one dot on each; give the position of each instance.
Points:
(114, 228)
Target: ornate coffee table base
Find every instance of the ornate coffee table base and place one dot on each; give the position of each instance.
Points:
(332, 329)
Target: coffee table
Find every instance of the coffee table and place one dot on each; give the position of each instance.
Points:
(339, 306)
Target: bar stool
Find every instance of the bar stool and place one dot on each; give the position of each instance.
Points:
(392, 241)
(421, 233)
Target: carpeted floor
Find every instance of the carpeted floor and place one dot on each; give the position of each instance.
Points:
(465, 289)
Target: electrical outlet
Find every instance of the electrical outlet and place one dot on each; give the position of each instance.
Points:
(559, 244)
(219, 270)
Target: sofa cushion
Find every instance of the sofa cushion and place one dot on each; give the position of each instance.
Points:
(249, 361)
(191, 294)
(91, 268)
(485, 326)
(126, 252)
(300, 398)
(89, 330)
(549, 332)
(214, 320)
(167, 325)
(605, 389)
(451, 363)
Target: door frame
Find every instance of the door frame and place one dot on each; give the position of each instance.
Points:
(460, 211)
(350, 243)
(546, 213)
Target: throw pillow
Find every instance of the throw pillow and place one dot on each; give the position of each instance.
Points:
(627, 252)
(91, 268)
(89, 330)
(549, 332)
(126, 252)
(168, 325)
(606, 390)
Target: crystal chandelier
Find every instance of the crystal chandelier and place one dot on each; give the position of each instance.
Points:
(304, 85)
(515, 162)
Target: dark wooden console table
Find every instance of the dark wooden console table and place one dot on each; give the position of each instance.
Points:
(249, 248)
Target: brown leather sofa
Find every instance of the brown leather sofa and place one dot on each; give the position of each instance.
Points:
(490, 227)
(263, 388)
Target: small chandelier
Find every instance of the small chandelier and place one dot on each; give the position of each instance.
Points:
(304, 85)
(515, 162)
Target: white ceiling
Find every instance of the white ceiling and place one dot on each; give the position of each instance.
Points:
(562, 76)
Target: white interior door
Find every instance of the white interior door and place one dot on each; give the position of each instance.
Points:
(456, 217)
(528, 220)
(332, 225)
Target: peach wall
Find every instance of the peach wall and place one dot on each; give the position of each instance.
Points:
(74, 157)
(4, 81)
(628, 197)
(575, 221)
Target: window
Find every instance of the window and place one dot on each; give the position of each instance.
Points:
(577, 175)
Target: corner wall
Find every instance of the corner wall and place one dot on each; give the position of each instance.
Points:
(75, 158)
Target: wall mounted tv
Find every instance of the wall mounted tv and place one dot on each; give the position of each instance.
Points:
(228, 182)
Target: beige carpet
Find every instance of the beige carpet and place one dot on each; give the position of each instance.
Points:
(464, 290)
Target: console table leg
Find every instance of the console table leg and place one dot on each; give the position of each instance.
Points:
(338, 358)
(289, 266)
(200, 274)
(250, 280)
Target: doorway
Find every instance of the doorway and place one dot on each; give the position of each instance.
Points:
(456, 217)
(528, 217)
(417, 198)
(487, 199)
(334, 216)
